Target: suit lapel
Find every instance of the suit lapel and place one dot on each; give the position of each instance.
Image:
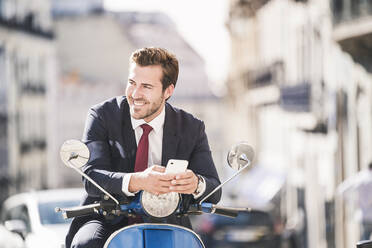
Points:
(129, 138)
(170, 137)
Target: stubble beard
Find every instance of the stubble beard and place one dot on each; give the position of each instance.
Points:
(154, 107)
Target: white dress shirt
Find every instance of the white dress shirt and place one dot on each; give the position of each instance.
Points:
(155, 147)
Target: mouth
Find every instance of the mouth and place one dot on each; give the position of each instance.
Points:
(138, 103)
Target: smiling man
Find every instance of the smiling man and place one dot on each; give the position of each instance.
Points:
(132, 138)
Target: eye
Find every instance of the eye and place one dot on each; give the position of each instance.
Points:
(147, 87)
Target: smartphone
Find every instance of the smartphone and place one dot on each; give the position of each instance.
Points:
(176, 166)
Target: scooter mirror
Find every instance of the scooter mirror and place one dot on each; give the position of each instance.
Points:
(239, 158)
(74, 152)
(239, 155)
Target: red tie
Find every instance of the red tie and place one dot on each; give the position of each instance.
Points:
(142, 155)
(142, 158)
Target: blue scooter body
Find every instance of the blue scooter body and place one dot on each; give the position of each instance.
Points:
(154, 236)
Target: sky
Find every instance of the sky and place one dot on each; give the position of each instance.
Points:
(201, 23)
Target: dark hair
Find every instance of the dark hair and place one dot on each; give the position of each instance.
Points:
(158, 56)
(370, 165)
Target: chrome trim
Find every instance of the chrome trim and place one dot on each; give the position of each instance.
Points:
(220, 186)
(71, 165)
(213, 209)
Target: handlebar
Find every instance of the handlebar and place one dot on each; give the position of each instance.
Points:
(79, 211)
(132, 208)
(225, 211)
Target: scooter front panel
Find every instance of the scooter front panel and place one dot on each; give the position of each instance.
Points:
(154, 236)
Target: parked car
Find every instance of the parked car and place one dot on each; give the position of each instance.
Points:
(32, 215)
(250, 229)
(9, 239)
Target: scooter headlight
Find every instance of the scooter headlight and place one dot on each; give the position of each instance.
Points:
(160, 206)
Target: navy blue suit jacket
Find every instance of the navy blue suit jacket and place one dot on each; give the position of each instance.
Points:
(111, 140)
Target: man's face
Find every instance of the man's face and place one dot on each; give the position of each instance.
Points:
(145, 93)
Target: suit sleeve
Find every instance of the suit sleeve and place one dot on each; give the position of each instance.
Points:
(201, 163)
(99, 165)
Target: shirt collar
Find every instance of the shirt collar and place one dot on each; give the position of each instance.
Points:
(157, 123)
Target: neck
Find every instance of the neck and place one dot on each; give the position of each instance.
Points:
(156, 114)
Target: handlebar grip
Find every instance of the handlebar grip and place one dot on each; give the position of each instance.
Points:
(79, 211)
(364, 244)
(214, 209)
(226, 212)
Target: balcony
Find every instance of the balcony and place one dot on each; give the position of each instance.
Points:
(296, 98)
(27, 26)
(264, 76)
(345, 11)
(353, 29)
(33, 89)
(262, 84)
(33, 144)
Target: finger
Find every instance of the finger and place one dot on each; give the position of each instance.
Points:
(181, 188)
(159, 189)
(182, 181)
(157, 186)
(163, 190)
(183, 175)
(158, 168)
(165, 177)
(157, 176)
(164, 184)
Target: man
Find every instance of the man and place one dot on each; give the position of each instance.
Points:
(360, 186)
(115, 128)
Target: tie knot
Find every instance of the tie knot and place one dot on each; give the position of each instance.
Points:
(146, 129)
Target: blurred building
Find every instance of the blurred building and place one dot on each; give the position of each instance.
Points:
(76, 7)
(304, 103)
(93, 50)
(353, 29)
(27, 70)
(92, 59)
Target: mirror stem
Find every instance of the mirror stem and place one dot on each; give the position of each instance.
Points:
(74, 155)
(91, 180)
(236, 173)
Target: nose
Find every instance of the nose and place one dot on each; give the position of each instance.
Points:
(136, 92)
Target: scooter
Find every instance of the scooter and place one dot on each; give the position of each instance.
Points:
(75, 154)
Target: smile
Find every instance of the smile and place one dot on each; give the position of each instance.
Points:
(138, 103)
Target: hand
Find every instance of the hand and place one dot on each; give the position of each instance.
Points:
(152, 180)
(184, 183)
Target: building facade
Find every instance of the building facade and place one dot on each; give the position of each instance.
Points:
(27, 69)
(306, 105)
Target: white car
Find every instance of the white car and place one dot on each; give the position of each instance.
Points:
(33, 216)
(9, 239)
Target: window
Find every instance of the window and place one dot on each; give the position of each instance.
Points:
(1, 8)
(3, 88)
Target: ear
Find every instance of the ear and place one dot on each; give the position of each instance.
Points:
(169, 91)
